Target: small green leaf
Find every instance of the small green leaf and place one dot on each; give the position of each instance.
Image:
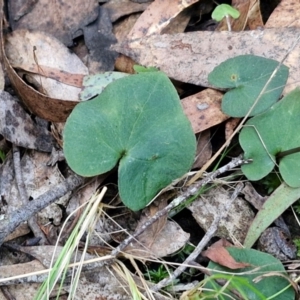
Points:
(137, 121)
(268, 134)
(93, 85)
(223, 10)
(246, 76)
(273, 283)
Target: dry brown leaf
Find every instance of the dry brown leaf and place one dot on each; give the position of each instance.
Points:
(169, 240)
(204, 109)
(120, 8)
(204, 149)
(220, 255)
(190, 57)
(286, 14)
(17, 126)
(157, 16)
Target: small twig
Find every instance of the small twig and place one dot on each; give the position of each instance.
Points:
(191, 191)
(14, 219)
(32, 222)
(207, 237)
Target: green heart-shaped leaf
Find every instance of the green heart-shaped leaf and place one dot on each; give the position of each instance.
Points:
(137, 120)
(246, 76)
(266, 135)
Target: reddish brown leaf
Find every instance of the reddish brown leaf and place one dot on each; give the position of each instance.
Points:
(218, 254)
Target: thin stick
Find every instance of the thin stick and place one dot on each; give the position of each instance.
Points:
(207, 237)
(14, 219)
(191, 191)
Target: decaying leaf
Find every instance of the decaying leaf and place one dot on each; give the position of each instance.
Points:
(17, 126)
(181, 56)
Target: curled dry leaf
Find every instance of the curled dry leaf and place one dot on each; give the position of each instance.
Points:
(33, 50)
(190, 57)
(17, 127)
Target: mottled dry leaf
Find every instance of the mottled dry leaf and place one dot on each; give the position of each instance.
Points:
(62, 19)
(120, 8)
(286, 14)
(204, 149)
(170, 239)
(161, 238)
(157, 16)
(204, 109)
(17, 126)
(207, 207)
(190, 57)
(219, 254)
